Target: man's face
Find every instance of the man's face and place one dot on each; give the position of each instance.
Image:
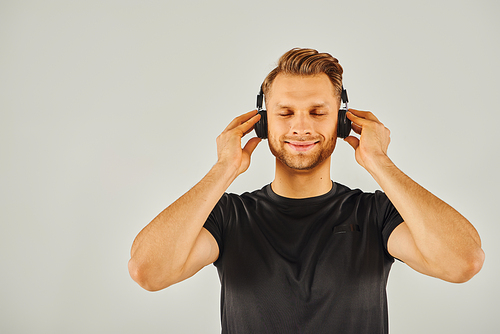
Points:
(302, 119)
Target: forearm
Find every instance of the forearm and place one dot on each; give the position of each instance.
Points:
(447, 242)
(435, 239)
(161, 249)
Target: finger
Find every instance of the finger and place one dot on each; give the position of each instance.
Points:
(359, 122)
(356, 128)
(241, 119)
(363, 114)
(353, 141)
(251, 145)
(249, 125)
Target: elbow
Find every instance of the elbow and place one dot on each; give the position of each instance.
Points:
(140, 276)
(475, 264)
(146, 278)
(471, 266)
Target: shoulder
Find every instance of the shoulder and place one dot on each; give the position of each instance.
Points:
(358, 195)
(246, 197)
(231, 203)
(374, 204)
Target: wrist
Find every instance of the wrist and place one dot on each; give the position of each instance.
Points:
(378, 165)
(225, 171)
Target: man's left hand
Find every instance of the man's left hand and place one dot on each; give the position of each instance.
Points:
(373, 141)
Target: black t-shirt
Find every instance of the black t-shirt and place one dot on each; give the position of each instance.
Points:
(314, 265)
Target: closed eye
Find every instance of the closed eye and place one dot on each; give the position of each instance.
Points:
(317, 113)
(285, 113)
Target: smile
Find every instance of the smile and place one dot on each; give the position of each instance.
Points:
(301, 146)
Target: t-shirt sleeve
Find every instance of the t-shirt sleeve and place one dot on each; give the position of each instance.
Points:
(214, 222)
(389, 217)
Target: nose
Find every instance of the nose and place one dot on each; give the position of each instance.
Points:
(301, 124)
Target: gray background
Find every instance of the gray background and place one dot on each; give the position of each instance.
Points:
(110, 110)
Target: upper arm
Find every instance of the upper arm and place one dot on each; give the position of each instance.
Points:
(401, 245)
(205, 251)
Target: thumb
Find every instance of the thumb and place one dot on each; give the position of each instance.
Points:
(353, 141)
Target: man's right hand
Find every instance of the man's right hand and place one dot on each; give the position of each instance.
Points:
(229, 151)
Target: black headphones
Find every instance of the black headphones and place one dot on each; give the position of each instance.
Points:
(343, 123)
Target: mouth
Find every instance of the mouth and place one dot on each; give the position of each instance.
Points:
(301, 146)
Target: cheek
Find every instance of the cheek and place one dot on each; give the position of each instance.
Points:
(328, 129)
(276, 131)
(277, 126)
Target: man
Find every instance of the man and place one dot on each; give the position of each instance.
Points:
(305, 254)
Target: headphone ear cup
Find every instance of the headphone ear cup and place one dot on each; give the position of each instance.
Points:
(343, 124)
(261, 125)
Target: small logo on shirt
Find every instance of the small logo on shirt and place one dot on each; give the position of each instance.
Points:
(346, 228)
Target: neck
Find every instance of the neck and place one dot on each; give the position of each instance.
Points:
(293, 183)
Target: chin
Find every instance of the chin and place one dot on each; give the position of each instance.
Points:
(302, 161)
(303, 165)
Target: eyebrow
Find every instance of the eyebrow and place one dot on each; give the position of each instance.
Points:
(315, 105)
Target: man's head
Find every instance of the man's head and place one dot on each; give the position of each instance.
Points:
(302, 101)
(306, 62)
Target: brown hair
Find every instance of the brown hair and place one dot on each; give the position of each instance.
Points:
(306, 62)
